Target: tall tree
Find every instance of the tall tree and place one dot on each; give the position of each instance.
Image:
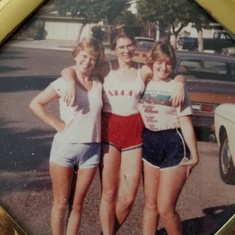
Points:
(114, 8)
(173, 16)
(199, 16)
(170, 14)
(130, 20)
(86, 10)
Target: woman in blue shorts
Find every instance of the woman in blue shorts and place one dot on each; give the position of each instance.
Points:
(167, 137)
(76, 146)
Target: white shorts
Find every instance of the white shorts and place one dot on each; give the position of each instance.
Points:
(75, 155)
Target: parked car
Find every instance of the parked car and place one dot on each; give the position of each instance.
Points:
(225, 135)
(142, 51)
(230, 51)
(219, 41)
(211, 82)
(144, 39)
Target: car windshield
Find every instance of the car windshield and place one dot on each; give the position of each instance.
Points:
(207, 69)
(145, 46)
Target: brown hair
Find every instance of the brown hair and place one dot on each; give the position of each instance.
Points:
(121, 32)
(160, 49)
(92, 46)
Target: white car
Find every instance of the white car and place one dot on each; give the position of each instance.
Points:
(225, 135)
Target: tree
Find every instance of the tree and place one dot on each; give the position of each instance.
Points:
(168, 13)
(86, 10)
(97, 33)
(199, 17)
(113, 9)
(130, 20)
(173, 16)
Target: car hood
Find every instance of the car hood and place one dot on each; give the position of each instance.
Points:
(226, 111)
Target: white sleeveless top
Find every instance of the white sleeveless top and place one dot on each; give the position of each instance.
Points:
(83, 120)
(121, 98)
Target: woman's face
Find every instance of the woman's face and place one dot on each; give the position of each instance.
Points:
(162, 68)
(125, 49)
(85, 62)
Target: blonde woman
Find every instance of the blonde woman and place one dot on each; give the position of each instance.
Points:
(77, 142)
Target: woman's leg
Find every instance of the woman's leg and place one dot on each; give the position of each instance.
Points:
(61, 183)
(130, 174)
(84, 179)
(110, 165)
(150, 212)
(170, 185)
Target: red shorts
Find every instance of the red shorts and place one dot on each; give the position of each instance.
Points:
(122, 132)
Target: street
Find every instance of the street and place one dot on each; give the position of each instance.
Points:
(25, 187)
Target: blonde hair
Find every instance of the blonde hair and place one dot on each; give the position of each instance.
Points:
(121, 31)
(92, 46)
(160, 49)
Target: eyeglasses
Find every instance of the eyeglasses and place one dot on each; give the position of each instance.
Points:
(129, 47)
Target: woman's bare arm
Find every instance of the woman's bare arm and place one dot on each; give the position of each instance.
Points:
(178, 94)
(191, 141)
(37, 106)
(69, 74)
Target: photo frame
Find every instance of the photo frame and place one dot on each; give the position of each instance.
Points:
(31, 58)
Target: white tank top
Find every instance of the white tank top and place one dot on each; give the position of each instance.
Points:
(121, 98)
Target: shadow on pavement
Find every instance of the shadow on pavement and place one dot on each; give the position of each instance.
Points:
(13, 84)
(214, 219)
(23, 157)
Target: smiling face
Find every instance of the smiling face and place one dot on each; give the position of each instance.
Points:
(124, 49)
(162, 68)
(85, 62)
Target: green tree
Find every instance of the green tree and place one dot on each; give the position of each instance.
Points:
(173, 16)
(130, 20)
(97, 33)
(86, 10)
(199, 17)
(170, 14)
(113, 9)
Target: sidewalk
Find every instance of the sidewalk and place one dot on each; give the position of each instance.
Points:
(63, 45)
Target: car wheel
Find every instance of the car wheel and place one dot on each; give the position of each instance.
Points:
(226, 165)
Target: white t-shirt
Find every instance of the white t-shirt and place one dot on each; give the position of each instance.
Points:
(83, 120)
(156, 108)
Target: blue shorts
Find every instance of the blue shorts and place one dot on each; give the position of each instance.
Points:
(164, 148)
(75, 155)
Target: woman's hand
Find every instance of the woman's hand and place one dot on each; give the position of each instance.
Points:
(189, 164)
(69, 95)
(178, 94)
(60, 126)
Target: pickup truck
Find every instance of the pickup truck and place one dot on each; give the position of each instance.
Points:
(219, 41)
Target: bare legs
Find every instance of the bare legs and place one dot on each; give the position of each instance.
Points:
(120, 178)
(61, 180)
(161, 190)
